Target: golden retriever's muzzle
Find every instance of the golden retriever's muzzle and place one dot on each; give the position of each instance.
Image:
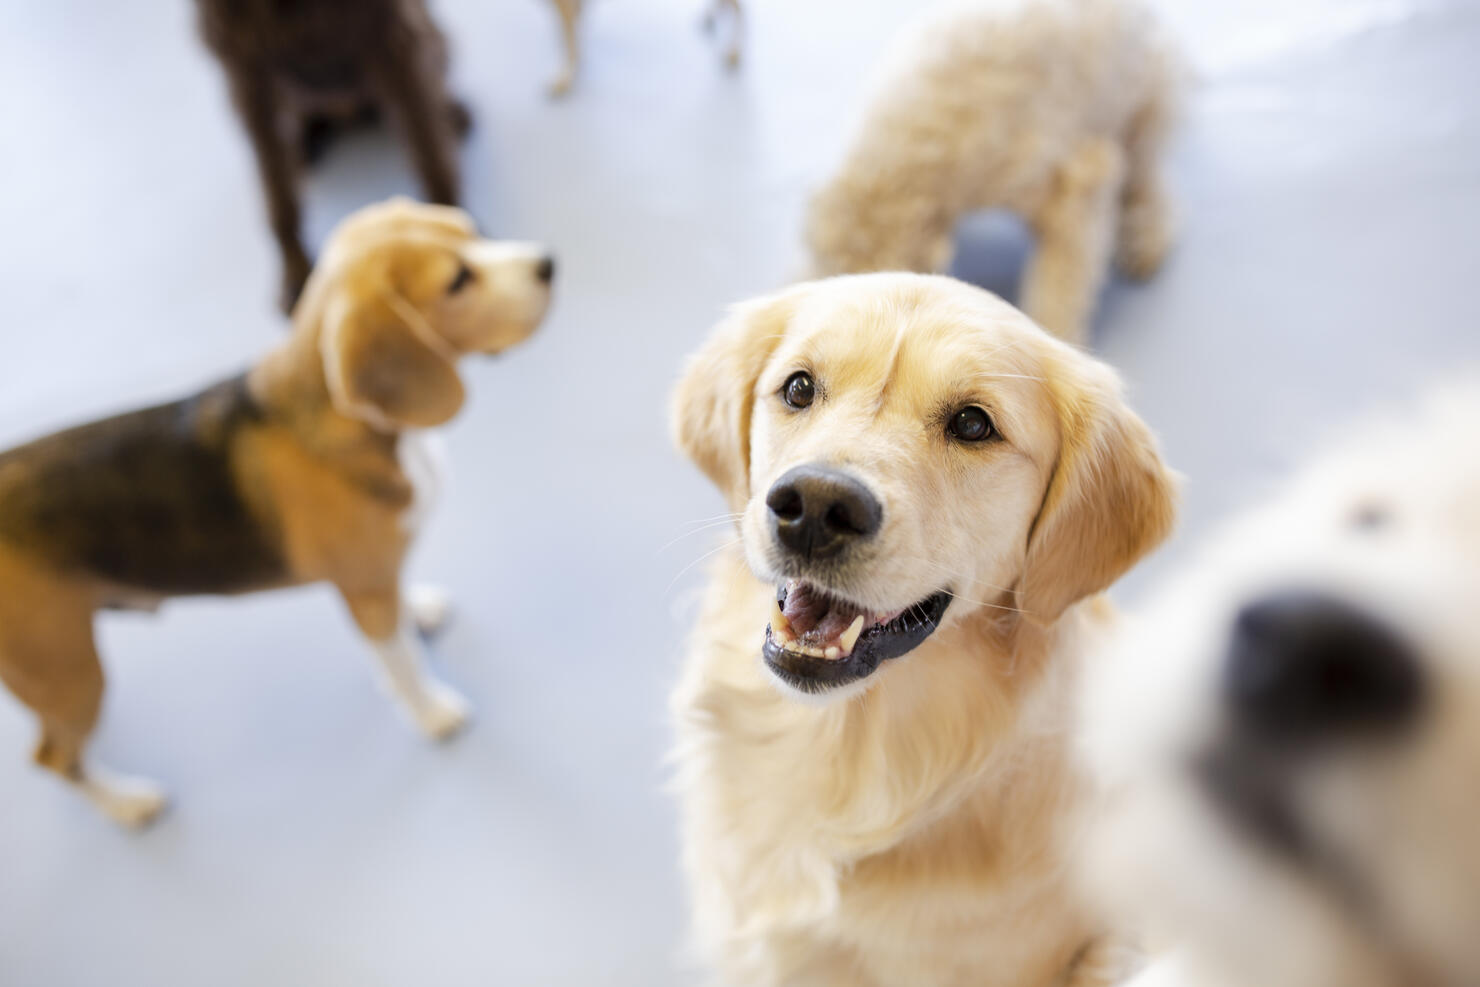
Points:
(820, 519)
(1304, 672)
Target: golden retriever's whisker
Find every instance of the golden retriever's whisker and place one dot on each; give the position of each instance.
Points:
(717, 517)
(713, 551)
(694, 531)
(1007, 376)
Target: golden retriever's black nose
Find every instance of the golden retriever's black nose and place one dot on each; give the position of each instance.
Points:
(1304, 666)
(545, 270)
(817, 511)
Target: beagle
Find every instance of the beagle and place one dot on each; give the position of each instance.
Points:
(303, 469)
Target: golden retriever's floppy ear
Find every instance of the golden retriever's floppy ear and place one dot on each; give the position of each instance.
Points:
(1110, 500)
(383, 369)
(711, 406)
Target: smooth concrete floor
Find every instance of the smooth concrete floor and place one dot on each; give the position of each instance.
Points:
(1329, 181)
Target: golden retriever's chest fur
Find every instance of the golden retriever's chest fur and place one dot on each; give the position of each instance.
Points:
(909, 837)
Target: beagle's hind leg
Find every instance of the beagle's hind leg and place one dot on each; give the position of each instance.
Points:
(49, 661)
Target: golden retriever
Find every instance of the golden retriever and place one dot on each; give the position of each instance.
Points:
(309, 467)
(1289, 740)
(1056, 110)
(930, 493)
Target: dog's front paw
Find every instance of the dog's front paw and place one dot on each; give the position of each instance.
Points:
(1144, 240)
(442, 712)
(561, 86)
(128, 801)
(430, 608)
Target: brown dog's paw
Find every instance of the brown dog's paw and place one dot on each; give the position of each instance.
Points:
(460, 116)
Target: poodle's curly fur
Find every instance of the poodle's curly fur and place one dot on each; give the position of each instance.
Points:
(1056, 110)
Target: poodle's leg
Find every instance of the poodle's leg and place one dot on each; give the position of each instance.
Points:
(570, 16)
(252, 90)
(385, 619)
(415, 97)
(1074, 226)
(1103, 963)
(1146, 221)
(54, 670)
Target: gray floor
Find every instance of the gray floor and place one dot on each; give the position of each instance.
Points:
(1329, 175)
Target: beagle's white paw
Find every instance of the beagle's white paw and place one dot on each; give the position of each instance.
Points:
(128, 801)
(441, 712)
(430, 608)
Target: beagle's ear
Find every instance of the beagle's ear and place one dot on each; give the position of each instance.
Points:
(1110, 499)
(711, 406)
(380, 370)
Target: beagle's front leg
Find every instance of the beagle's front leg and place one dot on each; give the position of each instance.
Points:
(388, 621)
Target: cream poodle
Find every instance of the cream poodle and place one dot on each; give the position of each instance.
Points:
(1056, 110)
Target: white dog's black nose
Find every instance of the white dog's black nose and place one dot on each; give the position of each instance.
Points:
(545, 268)
(817, 511)
(1304, 666)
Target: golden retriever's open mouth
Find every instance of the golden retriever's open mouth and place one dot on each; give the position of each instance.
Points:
(817, 641)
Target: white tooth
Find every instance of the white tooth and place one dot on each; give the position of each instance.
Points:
(850, 636)
(780, 626)
(833, 653)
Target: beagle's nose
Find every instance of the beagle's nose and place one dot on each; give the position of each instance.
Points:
(1303, 666)
(817, 512)
(545, 269)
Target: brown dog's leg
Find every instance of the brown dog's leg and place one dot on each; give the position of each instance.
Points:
(49, 661)
(251, 88)
(1075, 227)
(390, 625)
(420, 106)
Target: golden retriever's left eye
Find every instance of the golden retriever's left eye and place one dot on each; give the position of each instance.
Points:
(464, 276)
(970, 424)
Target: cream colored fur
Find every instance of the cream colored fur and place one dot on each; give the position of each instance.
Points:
(1053, 109)
(904, 831)
(1386, 889)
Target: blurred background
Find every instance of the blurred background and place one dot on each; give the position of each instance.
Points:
(1328, 178)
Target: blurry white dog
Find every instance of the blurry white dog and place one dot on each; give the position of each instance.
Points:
(1291, 740)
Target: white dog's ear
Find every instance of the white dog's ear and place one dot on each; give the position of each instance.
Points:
(711, 406)
(1110, 500)
(379, 369)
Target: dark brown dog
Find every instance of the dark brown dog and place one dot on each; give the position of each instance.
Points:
(300, 71)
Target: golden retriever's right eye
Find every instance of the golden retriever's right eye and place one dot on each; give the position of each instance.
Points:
(799, 390)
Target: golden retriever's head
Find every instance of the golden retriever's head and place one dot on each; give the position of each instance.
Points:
(1290, 739)
(401, 292)
(905, 450)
